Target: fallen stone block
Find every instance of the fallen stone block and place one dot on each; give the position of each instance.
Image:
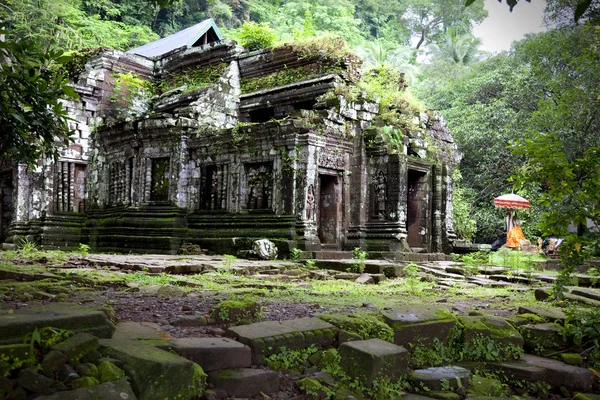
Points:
(154, 373)
(138, 331)
(373, 359)
(589, 293)
(555, 373)
(490, 337)
(213, 354)
(419, 325)
(236, 312)
(440, 378)
(32, 381)
(77, 346)
(245, 382)
(365, 279)
(57, 315)
(551, 314)
(115, 390)
(267, 337)
(540, 337)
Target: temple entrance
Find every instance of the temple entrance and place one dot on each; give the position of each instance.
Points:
(417, 205)
(160, 179)
(6, 208)
(329, 209)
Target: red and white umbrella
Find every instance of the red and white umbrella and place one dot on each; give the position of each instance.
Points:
(511, 201)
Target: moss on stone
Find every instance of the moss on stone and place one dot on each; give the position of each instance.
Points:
(481, 386)
(571, 358)
(109, 372)
(236, 311)
(15, 356)
(366, 326)
(85, 381)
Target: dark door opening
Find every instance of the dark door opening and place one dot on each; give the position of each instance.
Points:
(160, 179)
(417, 203)
(6, 209)
(330, 187)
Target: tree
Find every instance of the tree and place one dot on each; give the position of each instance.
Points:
(33, 119)
(457, 47)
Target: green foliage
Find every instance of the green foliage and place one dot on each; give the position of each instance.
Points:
(33, 119)
(192, 79)
(287, 359)
(359, 258)
(84, 249)
(295, 254)
(367, 326)
(255, 36)
(310, 264)
(287, 76)
(45, 338)
(130, 96)
(465, 225)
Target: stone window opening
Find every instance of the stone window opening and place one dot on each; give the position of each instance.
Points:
(262, 115)
(71, 191)
(121, 178)
(305, 105)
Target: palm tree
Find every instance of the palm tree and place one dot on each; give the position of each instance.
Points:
(461, 48)
(379, 53)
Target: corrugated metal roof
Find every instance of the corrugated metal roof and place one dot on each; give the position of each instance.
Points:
(186, 37)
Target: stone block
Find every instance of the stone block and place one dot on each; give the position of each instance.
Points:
(236, 311)
(77, 346)
(267, 337)
(555, 373)
(57, 315)
(154, 373)
(15, 356)
(214, 353)
(542, 337)
(419, 325)
(245, 382)
(490, 334)
(552, 314)
(32, 381)
(440, 378)
(116, 390)
(373, 359)
(138, 331)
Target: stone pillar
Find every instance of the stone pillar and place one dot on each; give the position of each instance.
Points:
(306, 198)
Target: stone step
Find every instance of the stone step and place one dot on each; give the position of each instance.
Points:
(154, 373)
(582, 299)
(433, 378)
(57, 315)
(555, 373)
(267, 337)
(589, 293)
(245, 382)
(552, 314)
(213, 354)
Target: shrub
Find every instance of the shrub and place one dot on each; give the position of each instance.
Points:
(257, 36)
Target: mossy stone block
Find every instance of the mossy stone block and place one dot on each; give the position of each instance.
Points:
(87, 369)
(419, 325)
(541, 337)
(154, 373)
(571, 358)
(15, 356)
(77, 346)
(85, 381)
(439, 378)
(363, 325)
(109, 372)
(236, 311)
(490, 338)
(369, 360)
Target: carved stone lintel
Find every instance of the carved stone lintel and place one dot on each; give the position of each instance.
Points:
(332, 159)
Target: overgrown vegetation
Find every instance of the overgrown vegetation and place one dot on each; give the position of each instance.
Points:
(192, 79)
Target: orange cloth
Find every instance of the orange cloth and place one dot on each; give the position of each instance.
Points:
(514, 237)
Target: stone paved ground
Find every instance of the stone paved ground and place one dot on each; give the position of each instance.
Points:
(170, 298)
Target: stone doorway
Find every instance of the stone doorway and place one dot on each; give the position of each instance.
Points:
(6, 203)
(160, 180)
(417, 207)
(329, 209)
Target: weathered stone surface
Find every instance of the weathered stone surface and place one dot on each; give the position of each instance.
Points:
(266, 338)
(482, 331)
(108, 372)
(85, 381)
(552, 314)
(236, 312)
(163, 290)
(365, 279)
(58, 315)
(369, 360)
(265, 249)
(543, 336)
(32, 381)
(138, 330)
(116, 390)
(245, 382)
(154, 373)
(214, 353)
(15, 356)
(555, 373)
(419, 324)
(525, 319)
(436, 378)
(77, 346)
(87, 369)
(190, 321)
(589, 293)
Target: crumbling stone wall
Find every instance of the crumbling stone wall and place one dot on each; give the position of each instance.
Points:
(268, 147)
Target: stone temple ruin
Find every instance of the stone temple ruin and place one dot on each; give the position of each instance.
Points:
(269, 145)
